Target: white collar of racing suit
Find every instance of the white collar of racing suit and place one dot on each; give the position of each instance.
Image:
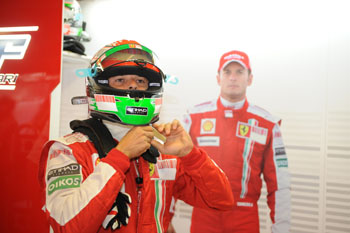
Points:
(234, 105)
(117, 130)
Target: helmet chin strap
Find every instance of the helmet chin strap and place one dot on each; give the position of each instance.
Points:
(136, 95)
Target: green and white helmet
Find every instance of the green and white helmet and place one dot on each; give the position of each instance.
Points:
(130, 107)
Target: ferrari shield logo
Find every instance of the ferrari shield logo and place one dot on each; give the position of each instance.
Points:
(243, 130)
(153, 171)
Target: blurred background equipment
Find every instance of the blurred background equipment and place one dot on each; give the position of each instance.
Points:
(74, 28)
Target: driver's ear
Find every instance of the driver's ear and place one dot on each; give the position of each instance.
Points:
(250, 79)
(218, 78)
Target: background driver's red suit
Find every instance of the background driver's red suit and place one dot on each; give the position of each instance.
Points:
(245, 143)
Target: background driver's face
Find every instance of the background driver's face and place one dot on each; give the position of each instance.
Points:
(234, 80)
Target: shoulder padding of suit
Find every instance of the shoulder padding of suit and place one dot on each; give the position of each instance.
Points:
(262, 113)
(72, 138)
(203, 107)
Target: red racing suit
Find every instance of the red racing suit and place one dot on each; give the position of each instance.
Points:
(244, 143)
(79, 189)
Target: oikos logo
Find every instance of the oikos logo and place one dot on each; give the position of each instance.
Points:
(63, 183)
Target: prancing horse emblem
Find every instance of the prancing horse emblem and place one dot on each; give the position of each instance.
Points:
(243, 130)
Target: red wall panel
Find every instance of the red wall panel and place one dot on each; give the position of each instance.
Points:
(25, 111)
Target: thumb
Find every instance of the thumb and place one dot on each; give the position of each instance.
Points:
(159, 146)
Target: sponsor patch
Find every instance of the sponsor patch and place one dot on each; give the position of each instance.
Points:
(245, 204)
(136, 111)
(234, 56)
(163, 170)
(64, 183)
(57, 152)
(71, 169)
(280, 151)
(228, 114)
(72, 138)
(277, 137)
(282, 162)
(208, 125)
(277, 134)
(102, 81)
(158, 103)
(135, 46)
(105, 102)
(208, 141)
(255, 133)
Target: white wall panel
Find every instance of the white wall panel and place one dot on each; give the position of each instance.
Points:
(72, 85)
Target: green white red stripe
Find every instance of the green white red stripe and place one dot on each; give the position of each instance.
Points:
(160, 191)
(247, 154)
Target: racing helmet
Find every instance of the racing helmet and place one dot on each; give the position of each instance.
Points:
(130, 107)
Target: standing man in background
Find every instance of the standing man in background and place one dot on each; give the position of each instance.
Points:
(245, 141)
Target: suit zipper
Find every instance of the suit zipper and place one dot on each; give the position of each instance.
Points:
(139, 184)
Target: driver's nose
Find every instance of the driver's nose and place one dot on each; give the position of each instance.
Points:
(132, 85)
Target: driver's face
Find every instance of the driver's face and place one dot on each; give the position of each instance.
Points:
(128, 82)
